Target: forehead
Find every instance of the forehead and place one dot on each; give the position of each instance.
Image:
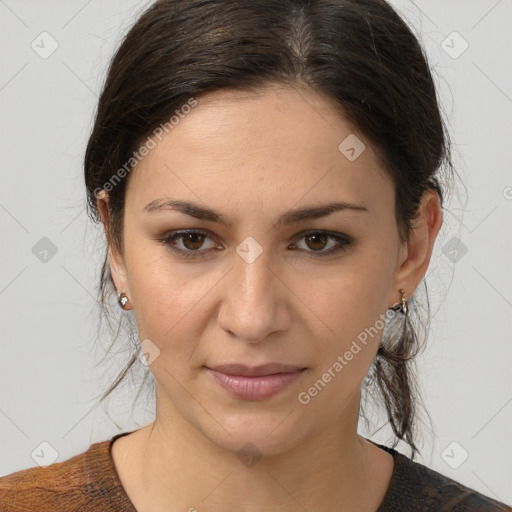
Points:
(276, 143)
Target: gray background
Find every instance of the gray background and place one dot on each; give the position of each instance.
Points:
(48, 315)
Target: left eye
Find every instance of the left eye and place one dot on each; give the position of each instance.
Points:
(188, 243)
(318, 241)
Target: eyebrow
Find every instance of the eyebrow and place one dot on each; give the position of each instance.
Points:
(290, 217)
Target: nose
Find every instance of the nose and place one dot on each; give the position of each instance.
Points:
(255, 300)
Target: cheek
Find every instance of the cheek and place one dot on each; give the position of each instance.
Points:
(352, 305)
(353, 313)
(162, 294)
(353, 296)
(173, 304)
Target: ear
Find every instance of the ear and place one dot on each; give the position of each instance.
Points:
(416, 253)
(117, 265)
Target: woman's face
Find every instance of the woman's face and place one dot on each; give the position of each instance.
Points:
(259, 285)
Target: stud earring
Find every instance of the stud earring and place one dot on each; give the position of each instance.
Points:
(122, 300)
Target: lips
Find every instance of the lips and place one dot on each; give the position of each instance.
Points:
(257, 382)
(255, 371)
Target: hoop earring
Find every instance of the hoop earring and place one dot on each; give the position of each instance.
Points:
(401, 306)
(122, 300)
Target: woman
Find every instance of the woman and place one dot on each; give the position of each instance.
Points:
(267, 177)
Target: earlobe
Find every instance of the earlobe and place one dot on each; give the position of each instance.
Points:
(119, 277)
(118, 270)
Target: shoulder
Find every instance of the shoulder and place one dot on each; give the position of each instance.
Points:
(420, 488)
(71, 485)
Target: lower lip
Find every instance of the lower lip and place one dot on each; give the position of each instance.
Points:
(255, 388)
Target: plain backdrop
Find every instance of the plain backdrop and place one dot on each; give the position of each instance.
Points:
(50, 251)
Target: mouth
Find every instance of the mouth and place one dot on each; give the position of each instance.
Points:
(255, 383)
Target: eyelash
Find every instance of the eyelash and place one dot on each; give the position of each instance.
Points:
(344, 241)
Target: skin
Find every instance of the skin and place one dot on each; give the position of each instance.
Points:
(253, 157)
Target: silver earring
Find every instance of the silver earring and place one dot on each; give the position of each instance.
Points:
(122, 300)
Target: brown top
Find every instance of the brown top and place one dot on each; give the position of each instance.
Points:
(89, 481)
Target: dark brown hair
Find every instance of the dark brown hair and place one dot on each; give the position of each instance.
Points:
(358, 53)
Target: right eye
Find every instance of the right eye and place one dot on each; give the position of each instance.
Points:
(191, 241)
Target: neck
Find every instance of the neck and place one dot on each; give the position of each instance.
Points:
(176, 467)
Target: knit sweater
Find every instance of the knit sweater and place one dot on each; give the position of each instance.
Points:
(89, 481)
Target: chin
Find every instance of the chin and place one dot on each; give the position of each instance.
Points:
(256, 433)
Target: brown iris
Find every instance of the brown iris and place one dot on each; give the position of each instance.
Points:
(320, 238)
(195, 239)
